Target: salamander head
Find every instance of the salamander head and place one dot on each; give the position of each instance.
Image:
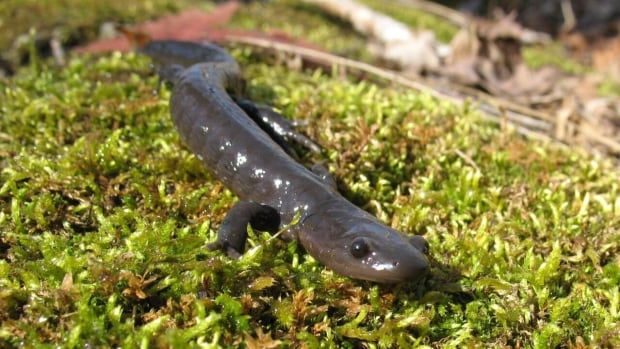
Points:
(370, 251)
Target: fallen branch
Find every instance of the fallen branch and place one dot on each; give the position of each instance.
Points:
(389, 39)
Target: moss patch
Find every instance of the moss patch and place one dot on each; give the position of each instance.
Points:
(553, 55)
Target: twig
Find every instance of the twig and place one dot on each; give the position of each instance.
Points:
(569, 15)
(330, 60)
(467, 159)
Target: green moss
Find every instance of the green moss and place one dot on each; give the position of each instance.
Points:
(609, 87)
(104, 218)
(554, 55)
(415, 18)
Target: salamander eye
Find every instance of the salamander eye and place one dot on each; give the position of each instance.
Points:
(359, 248)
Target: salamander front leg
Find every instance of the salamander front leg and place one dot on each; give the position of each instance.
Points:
(232, 234)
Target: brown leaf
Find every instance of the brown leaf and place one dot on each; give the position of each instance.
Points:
(605, 58)
(190, 24)
(488, 55)
(67, 282)
(262, 340)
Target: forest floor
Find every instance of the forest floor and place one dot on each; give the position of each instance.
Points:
(105, 215)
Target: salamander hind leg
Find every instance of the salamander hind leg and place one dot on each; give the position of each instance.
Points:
(277, 126)
(251, 109)
(232, 235)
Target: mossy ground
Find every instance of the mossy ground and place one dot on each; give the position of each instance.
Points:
(105, 216)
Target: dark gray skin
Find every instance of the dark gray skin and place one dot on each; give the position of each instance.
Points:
(244, 145)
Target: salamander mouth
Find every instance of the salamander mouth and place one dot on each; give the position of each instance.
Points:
(393, 271)
(402, 273)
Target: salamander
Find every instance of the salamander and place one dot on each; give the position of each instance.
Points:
(245, 145)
